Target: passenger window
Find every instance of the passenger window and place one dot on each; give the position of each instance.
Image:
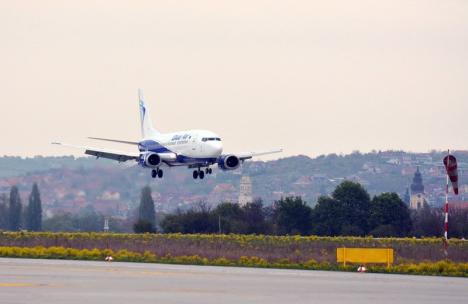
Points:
(211, 139)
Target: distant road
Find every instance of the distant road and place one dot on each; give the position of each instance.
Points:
(56, 281)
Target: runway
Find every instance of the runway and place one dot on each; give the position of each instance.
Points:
(57, 281)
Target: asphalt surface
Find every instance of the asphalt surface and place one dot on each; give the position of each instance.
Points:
(56, 281)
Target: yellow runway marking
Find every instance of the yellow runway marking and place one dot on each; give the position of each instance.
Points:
(18, 285)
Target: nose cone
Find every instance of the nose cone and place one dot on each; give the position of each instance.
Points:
(216, 148)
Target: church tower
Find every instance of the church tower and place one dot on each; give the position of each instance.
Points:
(245, 194)
(418, 198)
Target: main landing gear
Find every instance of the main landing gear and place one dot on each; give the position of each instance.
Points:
(201, 174)
(198, 173)
(157, 173)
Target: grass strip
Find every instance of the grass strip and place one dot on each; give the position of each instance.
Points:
(439, 268)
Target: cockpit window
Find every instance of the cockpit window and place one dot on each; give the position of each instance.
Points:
(211, 139)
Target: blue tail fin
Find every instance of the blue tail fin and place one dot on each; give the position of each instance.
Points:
(147, 129)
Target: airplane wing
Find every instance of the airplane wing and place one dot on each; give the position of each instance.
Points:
(109, 154)
(249, 155)
(115, 140)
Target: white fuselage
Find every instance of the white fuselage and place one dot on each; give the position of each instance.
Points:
(187, 146)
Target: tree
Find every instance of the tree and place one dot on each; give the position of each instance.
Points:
(255, 218)
(60, 222)
(427, 222)
(199, 219)
(14, 210)
(345, 213)
(3, 212)
(142, 226)
(325, 217)
(230, 217)
(146, 212)
(458, 219)
(407, 197)
(34, 210)
(384, 231)
(354, 204)
(88, 220)
(292, 216)
(172, 223)
(389, 216)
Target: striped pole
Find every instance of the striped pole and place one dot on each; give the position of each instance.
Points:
(446, 207)
(450, 163)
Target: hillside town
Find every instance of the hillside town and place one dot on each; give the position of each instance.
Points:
(113, 190)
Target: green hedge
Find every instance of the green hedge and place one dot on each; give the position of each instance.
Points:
(443, 268)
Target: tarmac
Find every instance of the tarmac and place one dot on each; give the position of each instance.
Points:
(85, 282)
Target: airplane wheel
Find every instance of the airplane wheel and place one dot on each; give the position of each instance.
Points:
(160, 173)
(195, 174)
(153, 173)
(210, 170)
(202, 174)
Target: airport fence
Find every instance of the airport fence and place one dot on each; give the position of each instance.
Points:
(294, 249)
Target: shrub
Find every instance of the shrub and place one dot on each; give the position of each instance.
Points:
(142, 226)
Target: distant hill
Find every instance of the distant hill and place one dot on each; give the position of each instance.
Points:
(70, 184)
(16, 166)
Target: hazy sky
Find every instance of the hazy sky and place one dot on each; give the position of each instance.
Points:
(312, 77)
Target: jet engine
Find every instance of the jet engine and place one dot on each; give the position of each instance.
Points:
(151, 160)
(228, 162)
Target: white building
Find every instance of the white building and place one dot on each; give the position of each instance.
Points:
(245, 193)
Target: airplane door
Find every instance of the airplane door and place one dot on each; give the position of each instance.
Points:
(195, 144)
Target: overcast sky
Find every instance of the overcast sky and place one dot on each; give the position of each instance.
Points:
(312, 77)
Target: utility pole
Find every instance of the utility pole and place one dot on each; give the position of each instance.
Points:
(106, 224)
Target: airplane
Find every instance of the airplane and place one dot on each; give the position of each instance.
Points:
(196, 149)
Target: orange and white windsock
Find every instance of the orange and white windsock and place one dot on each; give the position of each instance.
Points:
(450, 163)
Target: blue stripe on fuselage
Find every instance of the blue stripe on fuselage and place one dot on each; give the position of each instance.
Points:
(184, 160)
(152, 146)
